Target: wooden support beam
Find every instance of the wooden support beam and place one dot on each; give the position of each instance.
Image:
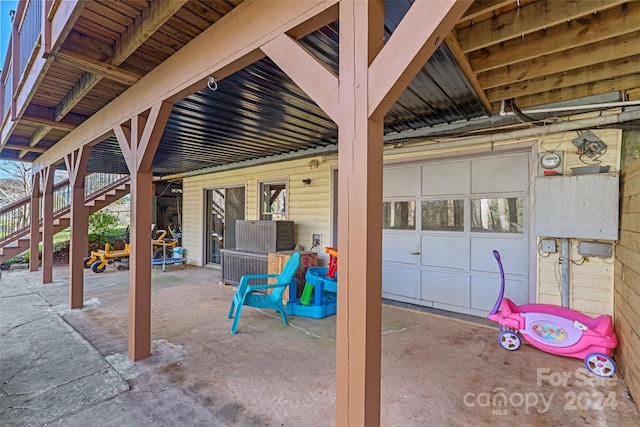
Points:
(102, 69)
(372, 76)
(588, 75)
(360, 142)
(312, 76)
(482, 7)
(139, 140)
(582, 32)
(143, 27)
(572, 59)
(418, 35)
(527, 19)
(79, 90)
(25, 148)
(46, 178)
(48, 122)
(461, 58)
(46, 28)
(34, 232)
(617, 84)
(37, 136)
(250, 25)
(76, 163)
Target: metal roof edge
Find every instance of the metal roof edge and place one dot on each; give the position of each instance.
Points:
(328, 149)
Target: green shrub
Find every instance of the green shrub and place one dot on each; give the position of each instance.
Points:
(100, 223)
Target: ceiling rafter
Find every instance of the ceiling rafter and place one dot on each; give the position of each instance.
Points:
(25, 148)
(143, 27)
(482, 7)
(99, 68)
(611, 23)
(457, 52)
(527, 19)
(572, 59)
(617, 84)
(49, 123)
(587, 75)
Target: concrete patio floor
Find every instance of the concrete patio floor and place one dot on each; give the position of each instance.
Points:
(69, 367)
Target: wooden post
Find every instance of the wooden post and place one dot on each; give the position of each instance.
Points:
(360, 141)
(34, 235)
(138, 143)
(372, 77)
(46, 176)
(76, 166)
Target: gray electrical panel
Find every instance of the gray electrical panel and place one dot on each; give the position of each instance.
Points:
(577, 206)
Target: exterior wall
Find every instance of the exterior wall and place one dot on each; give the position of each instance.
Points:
(591, 283)
(627, 279)
(309, 206)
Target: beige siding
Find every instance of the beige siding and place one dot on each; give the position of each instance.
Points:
(591, 283)
(308, 206)
(627, 280)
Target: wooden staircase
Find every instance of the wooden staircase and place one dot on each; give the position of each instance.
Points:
(18, 241)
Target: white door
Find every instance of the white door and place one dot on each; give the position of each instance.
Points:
(442, 220)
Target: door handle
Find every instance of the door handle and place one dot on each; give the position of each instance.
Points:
(415, 253)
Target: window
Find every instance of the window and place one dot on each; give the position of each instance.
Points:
(443, 215)
(273, 201)
(399, 215)
(502, 215)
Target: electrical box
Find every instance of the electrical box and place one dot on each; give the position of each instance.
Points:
(595, 249)
(551, 163)
(548, 245)
(579, 206)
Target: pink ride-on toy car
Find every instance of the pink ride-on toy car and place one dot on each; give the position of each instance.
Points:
(556, 330)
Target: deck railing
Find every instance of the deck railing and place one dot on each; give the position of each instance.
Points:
(7, 94)
(30, 32)
(15, 219)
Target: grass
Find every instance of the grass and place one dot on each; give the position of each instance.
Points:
(64, 236)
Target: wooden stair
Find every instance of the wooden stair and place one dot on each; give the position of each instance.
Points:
(62, 219)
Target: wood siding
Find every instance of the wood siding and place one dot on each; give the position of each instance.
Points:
(309, 206)
(627, 279)
(591, 283)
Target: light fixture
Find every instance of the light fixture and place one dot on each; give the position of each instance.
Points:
(313, 163)
(306, 181)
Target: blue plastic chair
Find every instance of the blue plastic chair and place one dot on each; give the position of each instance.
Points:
(253, 296)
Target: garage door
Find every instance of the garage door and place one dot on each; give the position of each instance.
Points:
(442, 220)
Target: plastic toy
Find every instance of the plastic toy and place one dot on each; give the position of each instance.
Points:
(163, 247)
(556, 330)
(318, 299)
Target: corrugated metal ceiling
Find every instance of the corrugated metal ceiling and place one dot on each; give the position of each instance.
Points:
(259, 112)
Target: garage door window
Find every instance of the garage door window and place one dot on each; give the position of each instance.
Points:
(399, 215)
(501, 215)
(443, 215)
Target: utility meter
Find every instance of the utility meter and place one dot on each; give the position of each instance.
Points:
(550, 163)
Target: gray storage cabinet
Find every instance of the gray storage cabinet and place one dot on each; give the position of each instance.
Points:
(254, 241)
(264, 236)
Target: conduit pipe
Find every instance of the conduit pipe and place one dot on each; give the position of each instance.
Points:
(603, 105)
(621, 117)
(565, 257)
